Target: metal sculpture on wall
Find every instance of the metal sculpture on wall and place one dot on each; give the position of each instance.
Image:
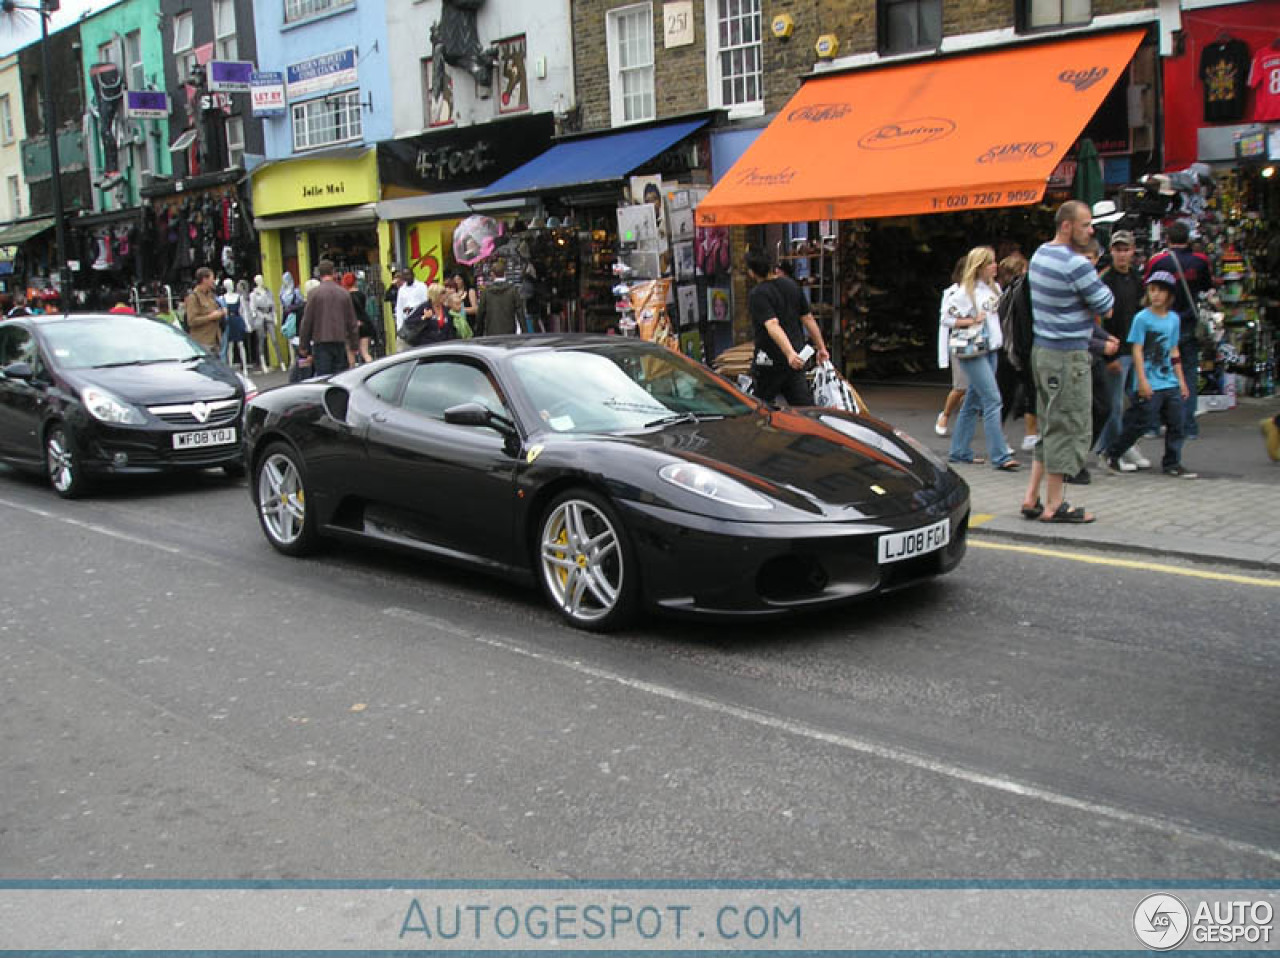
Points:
(456, 41)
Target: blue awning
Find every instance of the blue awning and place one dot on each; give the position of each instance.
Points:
(589, 161)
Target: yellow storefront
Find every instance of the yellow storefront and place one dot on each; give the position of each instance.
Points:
(322, 207)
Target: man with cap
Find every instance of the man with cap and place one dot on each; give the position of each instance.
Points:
(1160, 387)
(1126, 285)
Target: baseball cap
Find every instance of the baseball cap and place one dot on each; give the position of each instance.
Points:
(1122, 237)
(1164, 277)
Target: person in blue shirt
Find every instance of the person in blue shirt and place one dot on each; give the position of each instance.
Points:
(1161, 387)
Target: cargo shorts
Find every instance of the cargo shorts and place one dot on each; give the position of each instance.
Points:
(1064, 408)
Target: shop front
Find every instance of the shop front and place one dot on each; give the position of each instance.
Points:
(319, 207)
(869, 184)
(1222, 150)
(580, 243)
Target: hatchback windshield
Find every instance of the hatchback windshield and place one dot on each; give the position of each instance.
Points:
(621, 388)
(122, 341)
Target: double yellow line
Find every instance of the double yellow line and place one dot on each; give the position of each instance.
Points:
(1266, 583)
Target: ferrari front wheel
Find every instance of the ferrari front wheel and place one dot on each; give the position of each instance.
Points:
(588, 569)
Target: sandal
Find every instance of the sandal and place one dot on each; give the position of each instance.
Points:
(1065, 513)
(1009, 465)
(975, 461)
(1033, 512)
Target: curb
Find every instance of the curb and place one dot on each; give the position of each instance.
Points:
(1198, 551)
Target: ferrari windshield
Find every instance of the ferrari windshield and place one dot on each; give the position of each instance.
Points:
(622, 388)
(119, 341)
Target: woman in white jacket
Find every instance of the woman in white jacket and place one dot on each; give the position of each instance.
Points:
(974, 342)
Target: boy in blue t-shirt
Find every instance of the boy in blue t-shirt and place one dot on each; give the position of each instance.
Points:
(1161, 388)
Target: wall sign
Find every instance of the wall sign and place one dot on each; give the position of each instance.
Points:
(146, 104)
(513, 75)
(677, 24)
(464, 158)
(321, 74)
(267, 93)
(230, 76)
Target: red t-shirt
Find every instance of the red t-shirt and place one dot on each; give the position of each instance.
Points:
(1264, 77)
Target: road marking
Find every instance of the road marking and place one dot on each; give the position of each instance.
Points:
(847, 742)
(92, 527)
(979, 519)
(1129, 564)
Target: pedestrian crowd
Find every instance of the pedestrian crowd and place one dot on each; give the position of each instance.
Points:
(1093, 360)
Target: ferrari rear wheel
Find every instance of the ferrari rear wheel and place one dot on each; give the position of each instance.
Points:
(588, 569)
(282, 501)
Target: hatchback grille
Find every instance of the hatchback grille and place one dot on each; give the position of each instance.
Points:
(219, 413)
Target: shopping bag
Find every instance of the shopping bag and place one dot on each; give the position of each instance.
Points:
(830, 389)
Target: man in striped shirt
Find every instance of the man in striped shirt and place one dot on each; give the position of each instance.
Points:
(1067, 298)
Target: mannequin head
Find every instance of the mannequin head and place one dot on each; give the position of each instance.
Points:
(257, 281)
(229, 285)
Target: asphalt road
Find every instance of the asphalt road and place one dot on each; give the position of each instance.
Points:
(179, 701)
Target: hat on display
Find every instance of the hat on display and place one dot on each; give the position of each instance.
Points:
(1104, 211)
(1122, 238)
(1164, 278)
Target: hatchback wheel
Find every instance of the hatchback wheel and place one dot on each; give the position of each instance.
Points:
(63, 463)
(280, 481)
(588, 570)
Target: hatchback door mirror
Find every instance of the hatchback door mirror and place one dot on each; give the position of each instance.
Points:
(19, 370)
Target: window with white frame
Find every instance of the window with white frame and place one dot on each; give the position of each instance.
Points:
(302, 9)
(738, 52)
(15, 198)
(235, 141)
(6, 119)
(135, 75)
(630, 38)
(109, 53)
(1037, 14)
(184, 56)
(331, 119)
(224, 30)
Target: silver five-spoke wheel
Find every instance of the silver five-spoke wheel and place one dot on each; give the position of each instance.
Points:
(282, 501)
(585, 563)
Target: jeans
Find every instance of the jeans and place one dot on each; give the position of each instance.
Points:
(982, 398)
(1116, 383)
(1165, 405)
(1190, 353)
(329, 358)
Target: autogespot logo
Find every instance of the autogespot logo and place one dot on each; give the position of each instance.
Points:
(1161, 922)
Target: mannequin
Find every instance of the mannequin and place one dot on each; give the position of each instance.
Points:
(291, 306)
(262, 312)
(234, 335)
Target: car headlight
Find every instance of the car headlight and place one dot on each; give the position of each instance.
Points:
(713, 485)
(930, 456)
(107, 408)
(250, 387)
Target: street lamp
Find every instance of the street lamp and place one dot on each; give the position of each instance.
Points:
(44, 8)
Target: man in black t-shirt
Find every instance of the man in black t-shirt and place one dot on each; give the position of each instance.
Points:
(1126, 284)
(779, 327)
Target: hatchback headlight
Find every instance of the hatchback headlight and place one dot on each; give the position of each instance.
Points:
(107, 408)
(713, 485)
(250, 387)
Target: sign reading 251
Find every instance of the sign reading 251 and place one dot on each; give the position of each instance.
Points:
(677, 20)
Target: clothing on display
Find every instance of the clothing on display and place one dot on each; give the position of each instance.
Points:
(1264, 78)
(1224, 68)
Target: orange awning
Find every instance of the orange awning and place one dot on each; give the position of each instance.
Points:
(941, 135)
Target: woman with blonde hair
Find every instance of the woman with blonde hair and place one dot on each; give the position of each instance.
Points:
(974, 342)
(942, 425)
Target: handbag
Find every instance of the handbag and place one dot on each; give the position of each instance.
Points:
(967, 342)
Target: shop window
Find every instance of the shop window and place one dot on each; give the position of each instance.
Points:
(906, 25)
(224, 30)
(235, 141)
(333, 119)
(736, 56)
(109, 53)
(6, 119)
(302, 9)
(630, 38)
(136, 75)
(1039, 14)
(184, 56)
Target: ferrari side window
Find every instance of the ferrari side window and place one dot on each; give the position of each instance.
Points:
(436, 386)
(385, 384)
